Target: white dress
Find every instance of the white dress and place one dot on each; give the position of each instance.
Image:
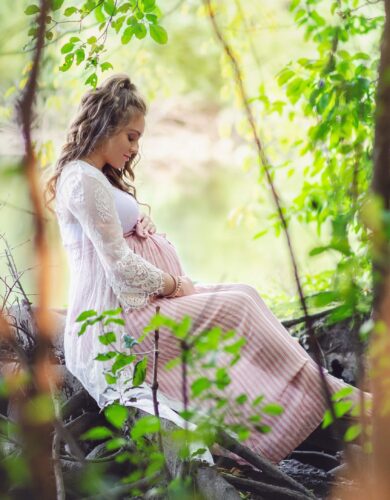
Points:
(105, 274)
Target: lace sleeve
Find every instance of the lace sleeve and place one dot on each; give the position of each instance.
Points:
(90, 200)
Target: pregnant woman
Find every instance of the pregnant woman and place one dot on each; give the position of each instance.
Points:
(117, 259)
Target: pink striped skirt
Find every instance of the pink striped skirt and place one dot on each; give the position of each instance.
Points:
(272, 363)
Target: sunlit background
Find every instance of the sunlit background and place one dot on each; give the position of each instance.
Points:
(199, 169)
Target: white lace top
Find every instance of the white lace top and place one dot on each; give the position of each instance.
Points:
(105, 273)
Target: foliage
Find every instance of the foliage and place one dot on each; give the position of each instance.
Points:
(128, 19)
(336, 91)
(207, 357)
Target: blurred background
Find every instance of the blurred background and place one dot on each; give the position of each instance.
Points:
(199, 171)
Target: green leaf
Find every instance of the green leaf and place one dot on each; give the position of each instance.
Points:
(127, 35)
(235, 348)
(80, 56)
(323, 298)
(116, 414)
(342, 393)
(106, 356)
(83, 328)
(68, 47)
(118, 23)
(319, 20)
(132, 21)
(169, 365)
(273, 409)
(86, 314)
(158, 33)
(122, 360)
(340, 409)
(32, 32)
(115, 443)
(140, 372)
(353, 432)
(260, 234)
(200, 385)
(99, 14)
(149, 5)
(107, 338)
(97, 433)
(198, 452)
(70, 11)
(222, 378)
(92, 80)
(285, 75)
(152, 18)
(117, 321)
(241, 399)
(145, 425)
(182, 329)
(112, 312)
(140, 31)
(68, 62)
(264, 429)
(340, 313)
(56, 4)
(257, 401)
(318, 250)
(109, 7)
(242, 431)
(31, 9)
(124, 7)
(294, 89)
(91, 40)
(110, 379)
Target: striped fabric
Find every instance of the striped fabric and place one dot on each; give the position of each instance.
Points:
(272, 363)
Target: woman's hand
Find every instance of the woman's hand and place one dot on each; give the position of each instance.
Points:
(187, 286)
(145, 226)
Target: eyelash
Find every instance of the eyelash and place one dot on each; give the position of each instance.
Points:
(131, 139)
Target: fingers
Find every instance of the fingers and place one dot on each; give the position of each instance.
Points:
(144, 229)
(146, 225)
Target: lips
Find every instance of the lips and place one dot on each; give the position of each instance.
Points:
(127, 157)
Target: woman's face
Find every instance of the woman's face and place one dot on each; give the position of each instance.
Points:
(123, 146)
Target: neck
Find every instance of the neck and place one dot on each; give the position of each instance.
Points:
(95, 162)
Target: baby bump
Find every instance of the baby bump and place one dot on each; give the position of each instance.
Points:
(157, 250)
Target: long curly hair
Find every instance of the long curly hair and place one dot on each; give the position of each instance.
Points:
(103, 111)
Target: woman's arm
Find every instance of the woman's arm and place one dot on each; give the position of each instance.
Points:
(90, 201)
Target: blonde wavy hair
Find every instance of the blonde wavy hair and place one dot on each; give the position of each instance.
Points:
(103, 111)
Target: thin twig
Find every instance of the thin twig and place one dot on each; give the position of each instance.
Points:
(267, 491)
(184, 388)
(56, 451)
(271, 471)
(155, 382)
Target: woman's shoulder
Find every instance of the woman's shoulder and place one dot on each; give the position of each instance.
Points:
(78, 169)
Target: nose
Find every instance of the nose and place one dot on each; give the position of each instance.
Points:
(134, 149)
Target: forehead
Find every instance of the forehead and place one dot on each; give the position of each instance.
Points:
(136, 123)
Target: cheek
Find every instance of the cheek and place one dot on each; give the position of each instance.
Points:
(115, 147)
